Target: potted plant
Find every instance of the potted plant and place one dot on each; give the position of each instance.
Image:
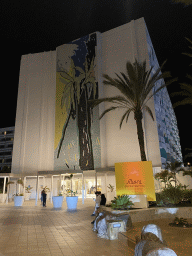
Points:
(58, 201)
(28, 193)
(18, 199)
(71, 199)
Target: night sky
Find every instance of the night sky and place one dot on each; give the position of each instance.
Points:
(34, 26)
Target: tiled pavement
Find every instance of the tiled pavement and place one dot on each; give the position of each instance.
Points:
(36, 230)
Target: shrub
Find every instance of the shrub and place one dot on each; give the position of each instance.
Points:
(172, 194)
(187, 195)
(159, 199)
(121, 202)
(180, 221)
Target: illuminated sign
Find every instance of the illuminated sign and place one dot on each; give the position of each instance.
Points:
(135, 178)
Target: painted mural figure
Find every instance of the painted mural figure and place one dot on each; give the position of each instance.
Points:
(80, 86)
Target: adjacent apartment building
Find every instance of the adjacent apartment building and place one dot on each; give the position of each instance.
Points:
(6, 146)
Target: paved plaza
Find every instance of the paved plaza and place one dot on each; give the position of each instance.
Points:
(36, 230)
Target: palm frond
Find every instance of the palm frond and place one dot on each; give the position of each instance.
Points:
(150, 84)
(187, 101)
(188, 76)
(66, 76)
(72, 69)
(80, 70)
(66, 94)
(117, 99)
(182, 93)
(158, 75)
(185, 2)
(163, 86)
(124, 115)
(146, 108)
(131, 71)
(186, 90)
(108, 110)
(188, 54)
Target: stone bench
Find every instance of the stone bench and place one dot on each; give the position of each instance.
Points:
(117, 223)
(151, 242)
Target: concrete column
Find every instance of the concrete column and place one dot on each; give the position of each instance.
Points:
(43, 181)
(51, 187)
(83, 189)
(60, 183)
(96, 180)
(8, 191)
(63, 183)
(106, 184)
(37, 184)
(4, 188)
(24, 184)
(19, 189)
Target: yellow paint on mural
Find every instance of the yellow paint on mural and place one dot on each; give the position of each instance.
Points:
(98, 141)
(60, 114)
(135, 178)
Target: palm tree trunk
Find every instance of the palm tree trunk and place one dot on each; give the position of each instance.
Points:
(138, 118)
(86, 161)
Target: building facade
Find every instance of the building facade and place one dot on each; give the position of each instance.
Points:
(6, 146)
(56, 130)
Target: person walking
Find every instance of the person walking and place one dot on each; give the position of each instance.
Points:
(44, 198)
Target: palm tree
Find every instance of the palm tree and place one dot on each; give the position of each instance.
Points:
(70, 97)
(88, 91)
(164, 176)
(135, 89)
(174, 168)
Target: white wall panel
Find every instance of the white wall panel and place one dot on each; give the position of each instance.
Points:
(120, 45)
(33, 148)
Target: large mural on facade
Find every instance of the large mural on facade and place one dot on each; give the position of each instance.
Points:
(77, 134)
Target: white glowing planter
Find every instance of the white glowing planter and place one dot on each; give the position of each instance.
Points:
(57, 201)
(71, 202)
(18, 200)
